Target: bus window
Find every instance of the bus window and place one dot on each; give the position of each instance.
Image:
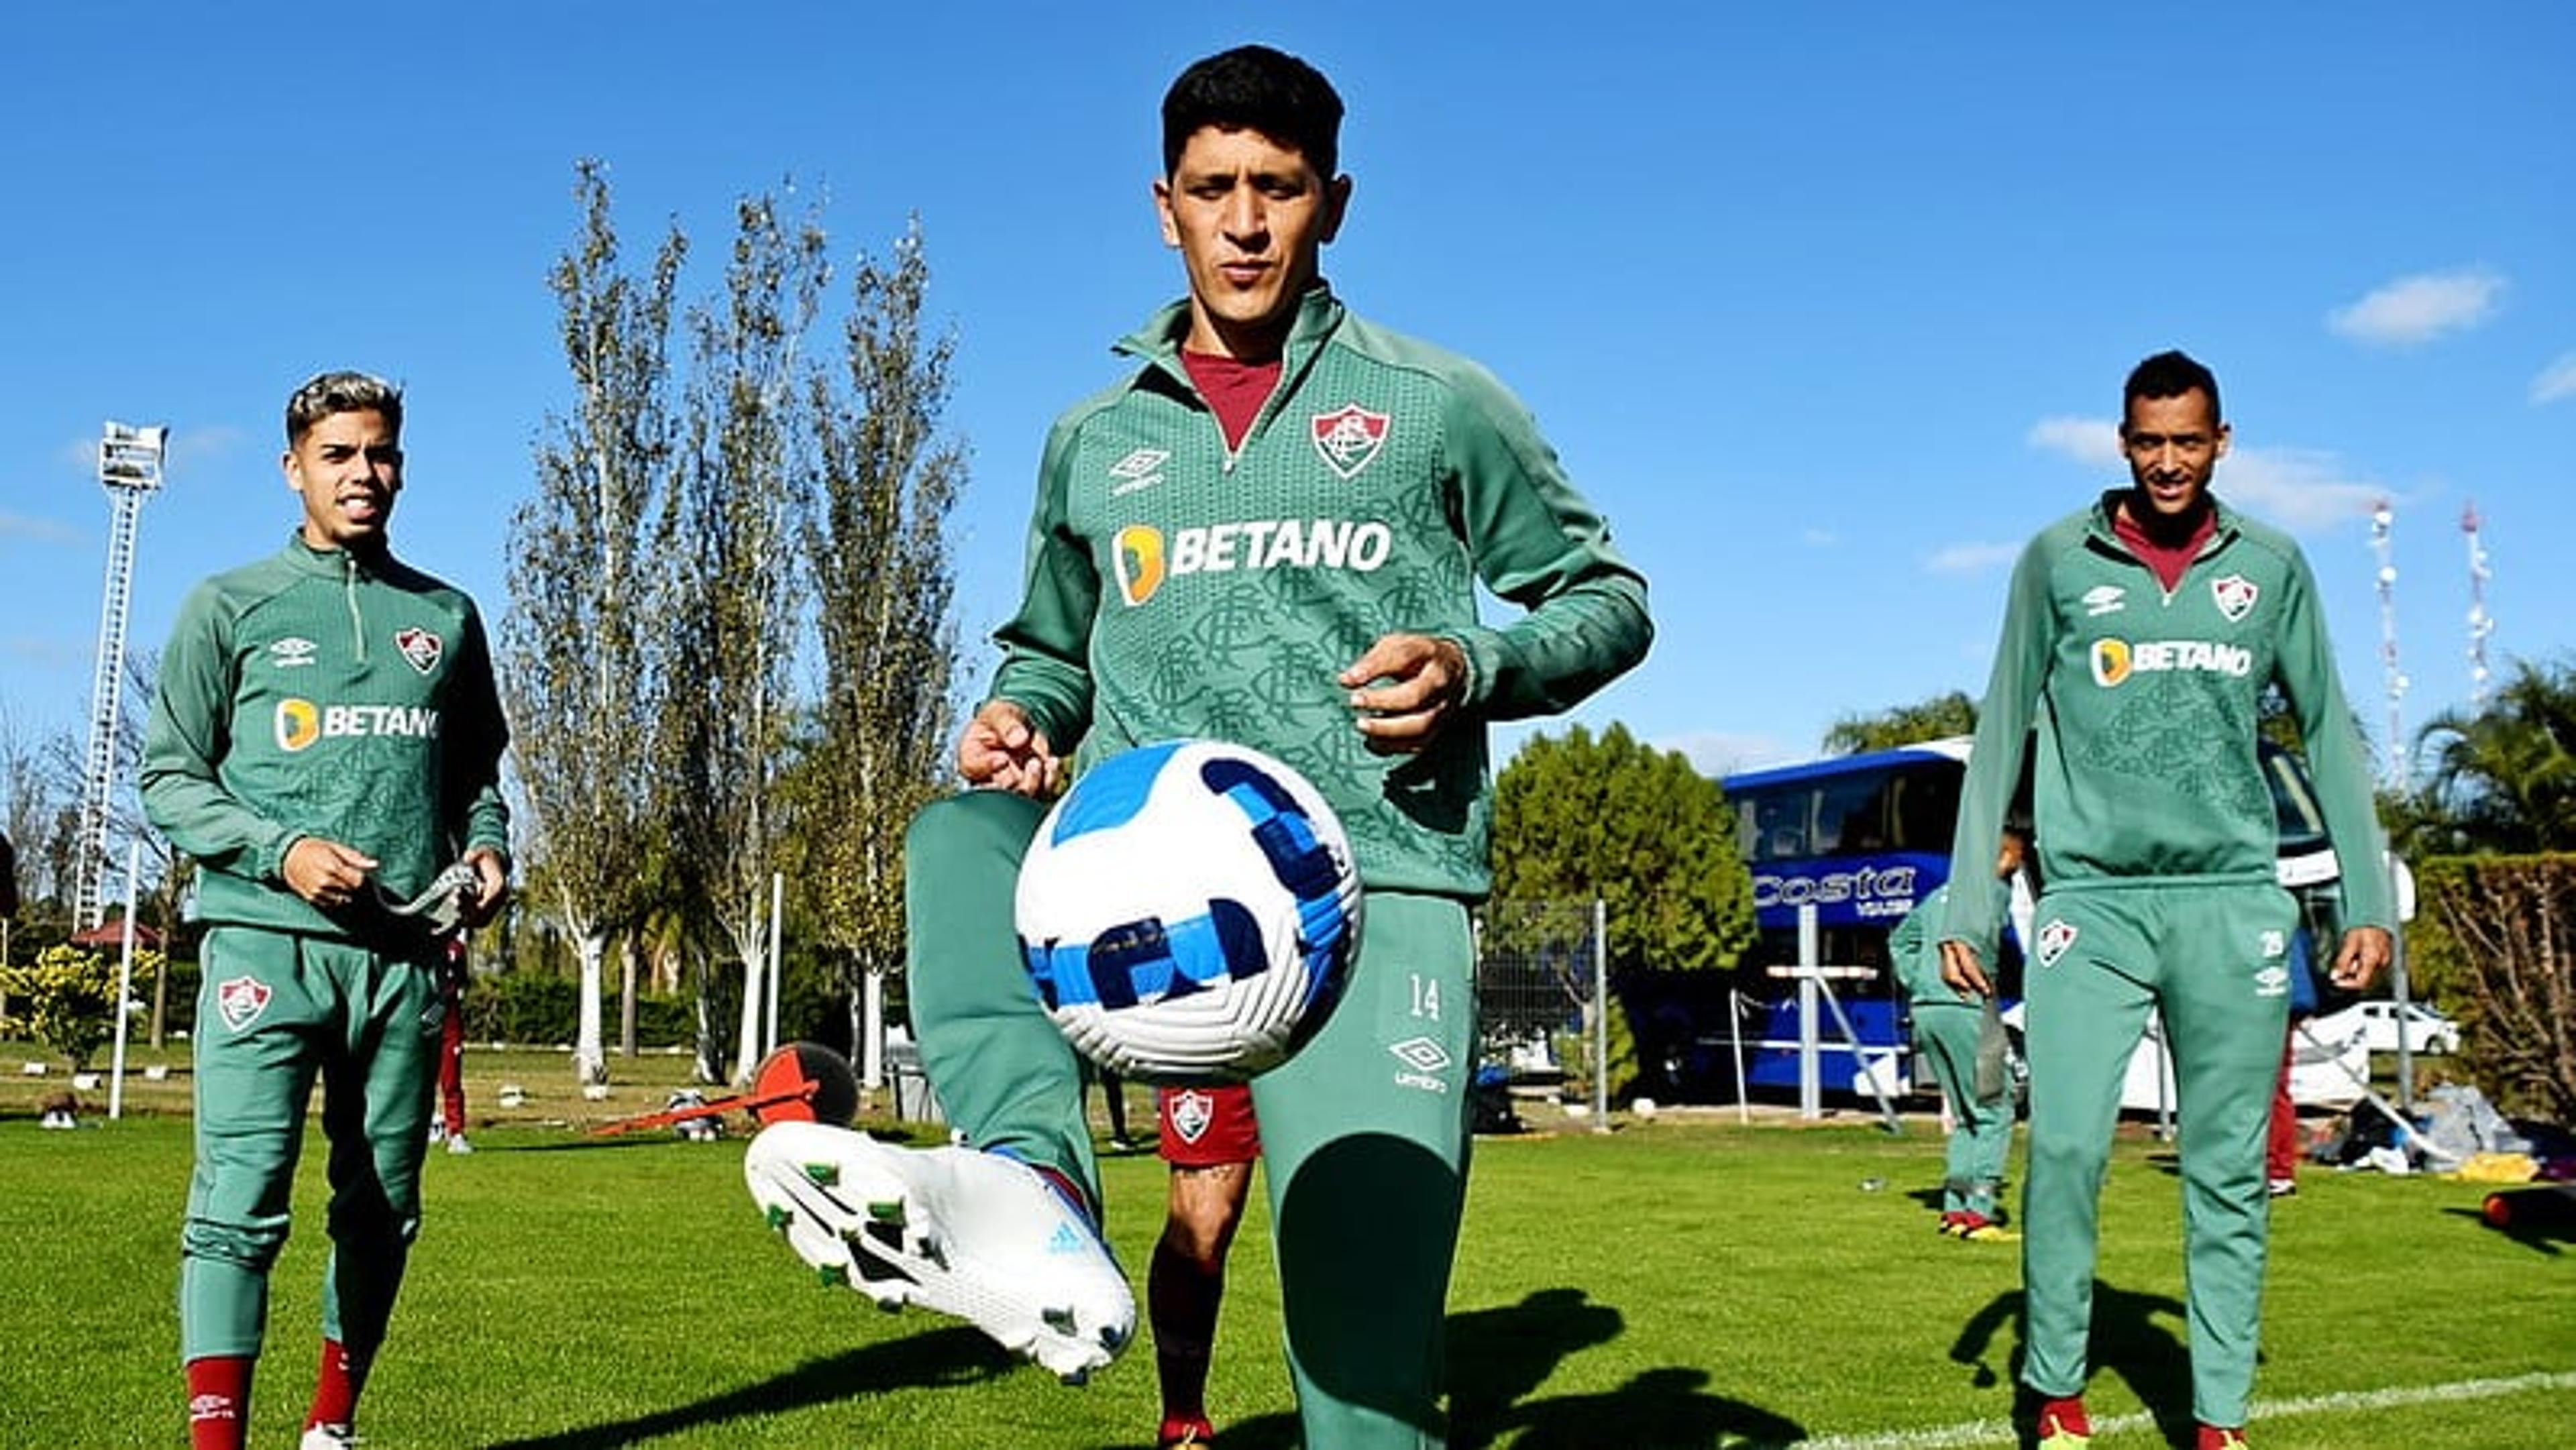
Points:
(1851, 816)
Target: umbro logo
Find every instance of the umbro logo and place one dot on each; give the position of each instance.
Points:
(2272, 982)
(2104, 599)
(1421, 1054)
(1140, 469)
(1424, 1059)
(292, 651)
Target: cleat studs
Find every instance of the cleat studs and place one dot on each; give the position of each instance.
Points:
(1059, 1320)
(823, 1175)
(887, 1210)
(778, 1216)
(832, 1276)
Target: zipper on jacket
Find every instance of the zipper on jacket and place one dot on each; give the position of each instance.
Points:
(349, 590)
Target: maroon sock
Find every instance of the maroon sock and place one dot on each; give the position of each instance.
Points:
(335, 1389)
(219, 1401)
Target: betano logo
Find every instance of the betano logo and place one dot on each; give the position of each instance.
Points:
(1144, 559)
(300, 723)
(2114, 660)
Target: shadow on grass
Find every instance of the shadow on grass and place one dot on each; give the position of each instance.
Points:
(1498, 1359)
(944, 1357)
(2133, 1338)
(2540, 1238)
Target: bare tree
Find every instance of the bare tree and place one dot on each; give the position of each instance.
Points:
(730, 567)
(876, 545)
(581, 671)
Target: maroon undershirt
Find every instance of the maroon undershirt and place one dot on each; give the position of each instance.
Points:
(1234, 390)
(2168, 560)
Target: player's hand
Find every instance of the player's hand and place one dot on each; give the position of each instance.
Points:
(2364, 951)
(1406, 690)
(1960, 968)
(1001, 749)
(491, 886)
(326, 873)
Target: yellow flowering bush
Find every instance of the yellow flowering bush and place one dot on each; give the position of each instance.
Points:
(66, 998)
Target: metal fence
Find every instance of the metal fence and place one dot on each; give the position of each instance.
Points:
(1539, 997)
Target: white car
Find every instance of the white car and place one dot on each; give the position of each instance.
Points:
(2427, 1031)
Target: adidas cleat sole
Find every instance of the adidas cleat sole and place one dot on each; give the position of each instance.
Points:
(972, 1235)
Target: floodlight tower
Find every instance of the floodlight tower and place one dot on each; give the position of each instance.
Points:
(2481, 624)
(129, 468)
(2383, 520)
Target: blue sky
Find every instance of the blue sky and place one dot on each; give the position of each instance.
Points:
(1826, 306)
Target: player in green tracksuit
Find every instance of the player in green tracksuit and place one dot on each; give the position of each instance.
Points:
(1951, 1025)
(2138, 638)
(326, 735)
(1270, 532)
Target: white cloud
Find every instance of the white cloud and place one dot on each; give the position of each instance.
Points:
(2420, 308)
(2556, 381)
(1717, 753)
(2086, 440)
(1820, 538)
(2299, 489)
(1971, 558)
(36, 530)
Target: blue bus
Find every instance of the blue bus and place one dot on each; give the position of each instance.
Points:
(1862, 839)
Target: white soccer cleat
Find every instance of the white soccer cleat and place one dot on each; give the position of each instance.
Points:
(977, 1235)
(327, 1437)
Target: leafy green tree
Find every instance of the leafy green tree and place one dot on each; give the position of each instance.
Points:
(2501, 780)
(1578, 818)
(1933, 719)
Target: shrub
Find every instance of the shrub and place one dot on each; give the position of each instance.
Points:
(67, 998)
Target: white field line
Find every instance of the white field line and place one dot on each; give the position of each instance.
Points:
(2000, 1432)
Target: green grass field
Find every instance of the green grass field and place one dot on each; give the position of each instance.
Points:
(1684, 1282)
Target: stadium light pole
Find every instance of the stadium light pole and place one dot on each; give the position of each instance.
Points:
(129, 468)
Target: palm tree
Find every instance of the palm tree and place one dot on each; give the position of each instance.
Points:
(2503, 780)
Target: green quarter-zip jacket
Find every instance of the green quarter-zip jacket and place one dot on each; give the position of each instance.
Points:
(1178, 587)
(2144, 702)
(324, 693)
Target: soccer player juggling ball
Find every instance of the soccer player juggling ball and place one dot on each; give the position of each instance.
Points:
(2139, 636)
(1268, 532)
(326, 735)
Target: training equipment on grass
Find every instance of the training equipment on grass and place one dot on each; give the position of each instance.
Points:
(1188, 912)
(803, 1082)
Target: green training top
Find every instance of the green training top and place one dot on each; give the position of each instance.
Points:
(1178, 587)
(2144, 702)
(321, 693)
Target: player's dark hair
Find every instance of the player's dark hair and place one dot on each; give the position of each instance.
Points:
(341, 392)
(1256, 88)
(2169, 374)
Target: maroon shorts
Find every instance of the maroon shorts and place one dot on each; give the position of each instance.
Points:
(1205, 1127)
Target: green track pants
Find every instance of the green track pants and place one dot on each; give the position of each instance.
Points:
(1982, 1131)
(2213, 961)
(1364, 1132)
(275, 1012)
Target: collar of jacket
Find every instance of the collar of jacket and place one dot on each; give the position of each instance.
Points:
(2099, 528)
(331, 563)
(1159, 341)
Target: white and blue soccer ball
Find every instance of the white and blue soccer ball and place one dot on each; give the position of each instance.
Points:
(1189, 912)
